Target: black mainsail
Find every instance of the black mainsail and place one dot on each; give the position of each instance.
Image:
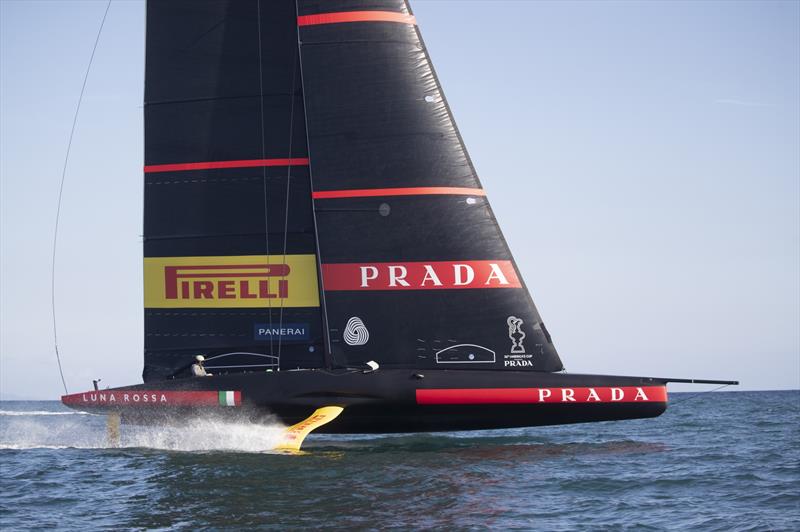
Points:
(315, 228)
(415, 270)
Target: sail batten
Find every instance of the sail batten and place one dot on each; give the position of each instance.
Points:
(355, 16)
(213, 165)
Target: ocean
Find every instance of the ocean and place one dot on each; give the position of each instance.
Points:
(715, 461)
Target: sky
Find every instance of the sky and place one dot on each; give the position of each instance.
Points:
(642, 159)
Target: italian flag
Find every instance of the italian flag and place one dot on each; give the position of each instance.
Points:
(230, 398)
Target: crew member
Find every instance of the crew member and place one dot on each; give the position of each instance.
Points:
(197, 368)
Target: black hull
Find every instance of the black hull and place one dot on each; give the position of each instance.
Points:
(389, 401)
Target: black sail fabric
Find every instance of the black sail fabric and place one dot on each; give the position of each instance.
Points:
(230, 255)
(415, 270)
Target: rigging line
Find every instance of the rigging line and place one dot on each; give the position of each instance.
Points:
(326, 331)
(61, 193)
(695, 395)
(295, 53)
(263, 153)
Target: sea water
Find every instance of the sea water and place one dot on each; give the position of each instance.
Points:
(717, 461)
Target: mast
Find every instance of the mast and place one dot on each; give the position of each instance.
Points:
(326, 335)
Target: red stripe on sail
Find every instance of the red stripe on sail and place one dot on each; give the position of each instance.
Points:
(565, 395)
(405, 191)
(355, 16)
(439, 275)
(213, 165)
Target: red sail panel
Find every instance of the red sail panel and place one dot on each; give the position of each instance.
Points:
(355, 16)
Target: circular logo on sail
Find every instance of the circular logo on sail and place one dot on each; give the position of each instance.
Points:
(355, 332)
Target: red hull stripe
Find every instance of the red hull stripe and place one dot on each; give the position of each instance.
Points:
(598, 394)
(407, 191)
(355, 16)
(434, 275)
(213, 165)
(146, 398)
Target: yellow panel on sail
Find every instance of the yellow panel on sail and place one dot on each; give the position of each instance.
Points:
(293, 436)
(242, 281)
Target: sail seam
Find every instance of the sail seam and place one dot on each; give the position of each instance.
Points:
(212, 180)
(200, 99)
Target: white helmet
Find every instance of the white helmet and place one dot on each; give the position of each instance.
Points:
(200, 358)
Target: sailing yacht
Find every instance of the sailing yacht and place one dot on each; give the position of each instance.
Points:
(315, 229)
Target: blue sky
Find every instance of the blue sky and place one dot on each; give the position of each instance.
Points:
(642, 159)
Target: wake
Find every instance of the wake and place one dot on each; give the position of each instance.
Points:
(40, 413)
(21, 430)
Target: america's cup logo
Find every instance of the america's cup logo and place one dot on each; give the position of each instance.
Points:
(516, 334)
